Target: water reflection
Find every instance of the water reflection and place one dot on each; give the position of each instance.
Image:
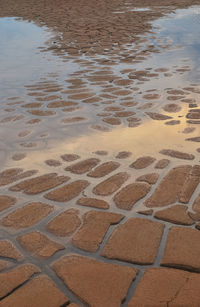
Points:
(20, 58)
(177, 37)
(148, 139)
(140, 9)
(21, 63)
(181, 28)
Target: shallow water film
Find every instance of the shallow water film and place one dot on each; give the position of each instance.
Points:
(99, 153)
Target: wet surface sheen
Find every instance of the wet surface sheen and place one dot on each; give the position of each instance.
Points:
(176, 63)
(93, 147)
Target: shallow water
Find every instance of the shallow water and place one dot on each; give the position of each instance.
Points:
(21, 59)
(134, 102)
(140, 9)
(182, 29)
(23, 64)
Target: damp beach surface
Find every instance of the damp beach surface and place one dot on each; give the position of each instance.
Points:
(99, 153)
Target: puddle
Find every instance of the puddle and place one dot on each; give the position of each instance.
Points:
(42, 79)
(177, 40)
(186, 22)
(20, 58)
(60, 109)
(148, 139)
(136, 9)
(21, 61)
(140, 9)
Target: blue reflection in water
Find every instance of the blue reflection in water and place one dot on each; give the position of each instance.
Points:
(19, 57)
(183, 28)
(21, 61)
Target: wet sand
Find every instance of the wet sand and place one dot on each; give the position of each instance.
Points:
(99, 141)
